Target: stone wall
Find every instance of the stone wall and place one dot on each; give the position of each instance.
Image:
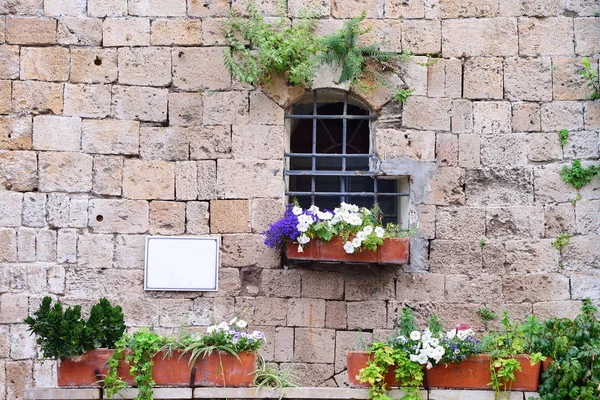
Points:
(119, 120)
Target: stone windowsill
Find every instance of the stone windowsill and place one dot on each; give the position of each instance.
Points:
(253, 393)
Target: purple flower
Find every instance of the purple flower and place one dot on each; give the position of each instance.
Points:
(283, 230)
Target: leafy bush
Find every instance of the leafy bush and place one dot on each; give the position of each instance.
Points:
(63, 334)
(578, 176)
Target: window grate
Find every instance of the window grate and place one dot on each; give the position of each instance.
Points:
(337, 154)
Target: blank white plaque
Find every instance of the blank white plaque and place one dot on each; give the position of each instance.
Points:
(182, 263)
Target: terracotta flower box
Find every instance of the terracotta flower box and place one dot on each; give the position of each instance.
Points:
(474, 373)
(90, 368)
(393, 251)
(224, 369)
(357, 360)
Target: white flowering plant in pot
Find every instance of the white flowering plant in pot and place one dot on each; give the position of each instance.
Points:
(359, 227)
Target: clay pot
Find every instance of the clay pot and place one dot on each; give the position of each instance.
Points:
(171, 371)
(546, 364)
(474, 373)
(357, 360)
(224, 369)
(393, 251)
(86, 369)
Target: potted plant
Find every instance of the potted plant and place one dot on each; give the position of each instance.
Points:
(348, 233)
(81, 347)
(224, 356)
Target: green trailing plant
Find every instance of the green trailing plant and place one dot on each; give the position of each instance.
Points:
(574, 373)
(591, 76)
(361, 65)
(63, 333)
(486, 316)
(563, 136)
(482, 243)
(578, 176)
(259, 50)
(563, 240)
(402, 95)
(406, 322)
(267, 376)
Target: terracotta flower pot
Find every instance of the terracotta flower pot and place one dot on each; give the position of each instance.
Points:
(224, 369)
(171, 371)
(393, 251)
(357, 360)
(546, 364)
(474, 373)
(86, 369)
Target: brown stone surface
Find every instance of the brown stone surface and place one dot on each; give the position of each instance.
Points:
(167, 218)
(148, 180)
(65, 172)
(229, 216)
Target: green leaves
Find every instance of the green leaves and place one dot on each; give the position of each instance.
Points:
(63, 334)
(563, 136)
(591, 75)
(578, 176)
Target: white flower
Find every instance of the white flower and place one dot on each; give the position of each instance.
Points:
(429, 365)
(233, 321)
(297, 210)
(368, 229)
(241, 324)
(402, 339)
(422, 359)
(303, 239)
(223, 326)
(362, 235)
(348, 247)
(354, 208)
(434, 342)
(356, 242)
(211, 329)
(325, 215)
(300, 249)
(451, 334)
(314, 209)
(379, 231)
(414, 357)
(462, 335)
(415, 335)
(302, 226)
(305, 219)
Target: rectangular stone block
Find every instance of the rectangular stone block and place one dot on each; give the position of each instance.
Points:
(9, 62)
(568, 83)
(229, 216)
(185, 109)
(148, 180)
(110, 136)
(531, 257)
(107, 8)
(95, 251)
(233, 176)
(582, 253)
(270, 311)
(65, 172)
(93, 65)
(91, 101)
(559, 218)
(528, 79)
(34, 209)
(405, 144)
(483, 78)
(176, 32)
(581, 145)
(526, 117)
(559, 115)
(145, 66)
(546, 36)
(323, 285)
(275, 282)
(513, 222)
(469, 151)
(446, 187)
(56, 133)
(58, 8)
(314, 345)
(5, 96)
(491, 117)
(479, 37)
(167, 218)
(468, 8)
(126, 32)
(462, 116)
(264, 212)
(141, 103)
(79, 31)
(66, 247)
(212, 32)
(535, 287)
(57, 210)
(170, 144)
(26, 244)
(335, 315)
(257, 142)
(427, 113)
(502, 150)
(197, 218)
(37, 97)
(11, 206)
(78, 212)
(18, 170)
(306, 313)
(585, 284)
(473, 289)
(353, 8)
(186, 180)
(495, 187)
(30, 30)
(200, 68)
(366, 314)
(45, 63)
(157, 8)
(207, 180)
(587, 36)
(549, 186)
(226, 108)
(45, 245)
(130, 251)
(247, 250)
(420, 287)
(422, 37)
(460, 223)
(211, 142)
(108, 175)
(8, 252)
(456, 257)
(588, 217)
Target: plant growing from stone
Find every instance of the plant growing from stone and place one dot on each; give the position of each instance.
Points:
(561, 241)
(591, 76)
(486, 316)
(563, 136)
(578, 176)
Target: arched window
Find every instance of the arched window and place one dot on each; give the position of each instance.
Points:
(330, 156)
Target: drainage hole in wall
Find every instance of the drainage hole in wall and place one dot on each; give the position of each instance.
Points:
(99, 218)
(98, 61)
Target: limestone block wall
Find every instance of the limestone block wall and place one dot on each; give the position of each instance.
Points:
(118, 120)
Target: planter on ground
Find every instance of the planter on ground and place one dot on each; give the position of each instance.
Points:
(357, 360)
(393, 251)
(224, 369)
(474, 373)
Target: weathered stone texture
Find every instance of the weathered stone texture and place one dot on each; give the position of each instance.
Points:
(497, 187)
(110, 136)
(257, 141)
(169, 32)
(91, 101)
(245, 250)
(479, 37)
(233, 176)
(588, 217)
(491, 117)
(210, 142)
(93, 65)
(139, 103)
(501, 150)
(483, 78)
(65, 172)
(30, 30)
(544, 146)
(306, 313)
(581, 145)
(169, 144)
(185, 109)
(473, 289)
(420, 287)
(525, 257)
(460, 223)
(18, 170)
(120, 216)
(535, 287)
(44, 63)
(406, 144)
(107, 175)
(226, 108)
(200, 68)
(56, 133)
(546, 36)
(79, 31)
(157, 8)
(447, 187)
(458, 257)
(582, 253)
(427, 113)
(148, 180)
(585, 284)
(167, 218)
(197, 218)
(145, 66)
(366, 314)
(229, 216)
(569, 84)
(422, 36)
(9, 62)
(526, 117)
(126, 32)
(37, 97)
(528, 79)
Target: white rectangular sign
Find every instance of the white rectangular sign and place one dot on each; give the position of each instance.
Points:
(182, 263)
